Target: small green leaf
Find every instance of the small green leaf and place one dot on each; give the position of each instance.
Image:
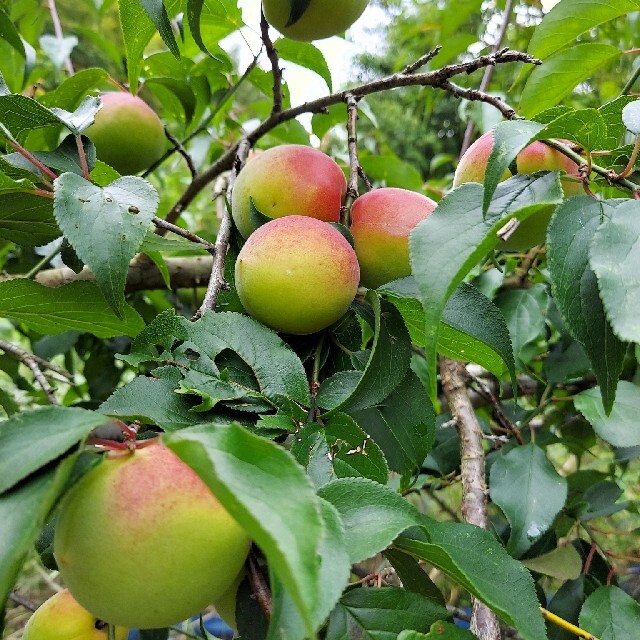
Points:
(156, 10)
(106, 226)
(541, 494)
(610, 614)
(267, 492)
(306, 55)
(620, 428)
(563, 563)
(31, 439)
(575, 289)
(77, 305)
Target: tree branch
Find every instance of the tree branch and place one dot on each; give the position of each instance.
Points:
(272, 54)
(354, 164)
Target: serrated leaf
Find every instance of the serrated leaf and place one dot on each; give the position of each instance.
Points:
(585, 126)
(381, 614)
(563, 563)
(253, 479)
(31, 439)
(23, 512)
(306, 55)
(541, 493)
(106, 226)
(21, 114)
(473, 557)
(456, 236)
(620, 428)
(387, 364)
(373, 515)
(549, 83)
(157, 12)
(612, 115)
(610, 614)
(570, 18)
(82, 117)
(619, 280)
(575, 289)
(77, 305)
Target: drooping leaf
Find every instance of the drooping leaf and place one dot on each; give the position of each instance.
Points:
(620, 428)
(541, 493)
(77, 305)
(105, 226)
(157, 12)
(563, 563)
(254, 479)
(610, 614)
(10, 34)
(575, 289)
(31, 439)
(306, 55)
(413, 576)
(619, 280)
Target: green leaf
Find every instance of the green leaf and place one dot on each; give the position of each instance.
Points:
(194, 14)
(473, 557)
(575, 289)
(23, 513)
(298, 7)
(392, 171)
(31, 439)
(106, 226)
(77, 305)
(620, 428)
(571, 18)
(9, 185)
(21, 114)
(413, 576)
(403, 425)
(267, 492)
(390, 353)
(154, 243)
(631, 117)
(585, 126)
(563, 563)
(10, 34)
(373, 515)
(157, 12)
(306, 55)
(610, 614)
(566, 603)
(351, 451)
(556, 78)
(612, 114)
(439, 631)
(456, 236)
(381, 614)
(619, 280)
(541, 494)
(525, 312)
(69, 92)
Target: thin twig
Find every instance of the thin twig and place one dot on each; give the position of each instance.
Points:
(21, 600)
(44, 261)
(420, 62)
(354, 163)
(632, 80)
(179, 147)
(34, 363)
(484, 622)
(440, 78)
(57, 27)
(259, 585)
(184, 233)
(272, 54)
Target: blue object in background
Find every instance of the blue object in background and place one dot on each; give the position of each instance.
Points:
(462, 623)
(213, 624)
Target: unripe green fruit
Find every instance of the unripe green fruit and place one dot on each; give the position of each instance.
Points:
(142, 542)
(321, 19)
(535, 157)
(291, 179)
(381, 221)
(127, 133)
(297, 275)
(62, 618)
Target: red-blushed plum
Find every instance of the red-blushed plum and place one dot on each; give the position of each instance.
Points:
(297, 274)
(62, 618)
(291, 179)
(127, 133)
(535, 157)
(142, 542)
(381, 221)
(321, 19)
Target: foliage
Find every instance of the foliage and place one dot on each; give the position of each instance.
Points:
(336, 451)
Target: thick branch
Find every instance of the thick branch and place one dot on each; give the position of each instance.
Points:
(440, 78)
(474, 487)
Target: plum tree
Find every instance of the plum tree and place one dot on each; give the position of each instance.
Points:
(297, 274)
(535, 157)
(127, 133)
(142, 542)
(321, 19)
(287, 180)
(381, 221)
(62, 618)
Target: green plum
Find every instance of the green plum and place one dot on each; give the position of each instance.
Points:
(291, 179)
(142, 542)
(127, 133)
(321, 19)
(381, 221)
(297, 274)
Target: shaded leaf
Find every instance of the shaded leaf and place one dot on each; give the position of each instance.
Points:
(610, 614)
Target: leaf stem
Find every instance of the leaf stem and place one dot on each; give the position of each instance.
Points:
(83, 158)
(32, 159)
(36, 268)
